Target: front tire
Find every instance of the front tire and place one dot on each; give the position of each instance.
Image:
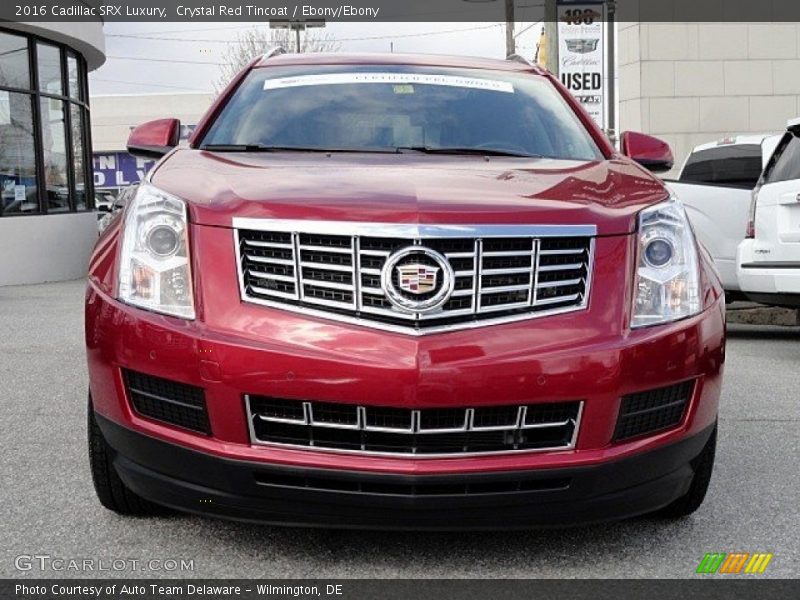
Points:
(691, 500)
(110, 489)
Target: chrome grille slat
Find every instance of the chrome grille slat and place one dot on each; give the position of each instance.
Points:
(569, 267)
(259, 244)
(272, 261)
(329, 267)
(331, 285)
(558, 299)
(505, 271)
(565, 282)
(421, 432)
(274, 276)
(561, 252)
(333, 270)
(332, 249)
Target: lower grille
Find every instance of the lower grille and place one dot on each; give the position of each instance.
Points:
(422, 433)
(167, 401)
(424, 486)
(654, 410)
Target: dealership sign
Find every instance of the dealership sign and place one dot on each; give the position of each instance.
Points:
(581, 51)
(118, 169)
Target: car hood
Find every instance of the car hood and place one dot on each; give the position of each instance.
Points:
(408, 188)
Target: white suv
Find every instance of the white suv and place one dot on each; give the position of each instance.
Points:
(716, 185)
(768, 261)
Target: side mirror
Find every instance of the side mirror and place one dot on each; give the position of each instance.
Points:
(154, 138)
(650, 152)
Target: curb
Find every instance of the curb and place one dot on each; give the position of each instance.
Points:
(756, 314)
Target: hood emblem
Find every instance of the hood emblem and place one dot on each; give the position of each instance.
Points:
(416, 278)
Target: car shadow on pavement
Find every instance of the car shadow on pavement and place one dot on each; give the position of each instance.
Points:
(759, 332)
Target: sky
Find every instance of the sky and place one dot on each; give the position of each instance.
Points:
(184, 58)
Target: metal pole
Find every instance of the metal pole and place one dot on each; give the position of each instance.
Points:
(511, 46)
(612, 73)
(551, 34)
(297, 38)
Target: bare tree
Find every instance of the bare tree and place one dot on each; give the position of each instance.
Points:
(257, 41)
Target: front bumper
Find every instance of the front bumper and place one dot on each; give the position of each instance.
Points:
(200, 483)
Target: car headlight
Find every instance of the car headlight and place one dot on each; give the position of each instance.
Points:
(667, 284)
(154, 265)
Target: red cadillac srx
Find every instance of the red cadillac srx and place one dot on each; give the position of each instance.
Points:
(402, 291)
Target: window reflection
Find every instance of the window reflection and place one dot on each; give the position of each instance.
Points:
(36, 175)
(73, 77)
(18, 194)
(78, 162)
(49, 58)
(14, 70)
(54, 153)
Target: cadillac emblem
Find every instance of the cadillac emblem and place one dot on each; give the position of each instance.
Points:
(417, 279)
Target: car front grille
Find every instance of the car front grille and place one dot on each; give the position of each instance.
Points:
(423, 432)
(339, 271)
(653, 410)
(167, 401)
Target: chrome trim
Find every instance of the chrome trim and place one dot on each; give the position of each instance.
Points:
(406, 330)
(415, 234)
(415, 429)
(535, 270)
(396, 297)
(412, 231)
(329, 425)
(478, 280)
(356, 258)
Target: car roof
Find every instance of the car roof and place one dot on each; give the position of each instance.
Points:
(755, 139)
(427, 60)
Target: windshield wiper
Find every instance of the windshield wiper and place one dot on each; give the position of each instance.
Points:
(272, 148)
(464, 150)
(258, 148)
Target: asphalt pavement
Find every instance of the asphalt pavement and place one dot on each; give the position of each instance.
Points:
(48, 507)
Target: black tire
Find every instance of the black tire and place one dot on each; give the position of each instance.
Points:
(110, 489)
(703, 467)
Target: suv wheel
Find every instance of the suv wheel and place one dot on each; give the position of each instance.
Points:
(691, 500)
(110, 489)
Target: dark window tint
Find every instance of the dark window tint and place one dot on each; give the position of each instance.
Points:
(17, 155)
(736, 165)
(785, 163)
(14, 70)
(54, 148)
(389, 107)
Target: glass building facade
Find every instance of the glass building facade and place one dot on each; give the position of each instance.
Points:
(45, 165)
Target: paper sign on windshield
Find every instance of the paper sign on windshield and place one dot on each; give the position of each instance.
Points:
(492, 85)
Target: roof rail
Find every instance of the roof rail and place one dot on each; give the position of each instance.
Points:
(273, 52)
(520, 59)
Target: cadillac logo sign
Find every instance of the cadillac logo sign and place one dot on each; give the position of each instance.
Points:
(417, 279)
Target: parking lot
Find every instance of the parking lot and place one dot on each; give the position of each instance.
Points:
(48, 505)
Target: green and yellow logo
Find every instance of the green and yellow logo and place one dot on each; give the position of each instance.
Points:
(734, 563)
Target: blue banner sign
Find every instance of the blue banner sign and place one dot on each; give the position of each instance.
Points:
(118, 169)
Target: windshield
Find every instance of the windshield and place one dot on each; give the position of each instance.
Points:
(391, 108)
